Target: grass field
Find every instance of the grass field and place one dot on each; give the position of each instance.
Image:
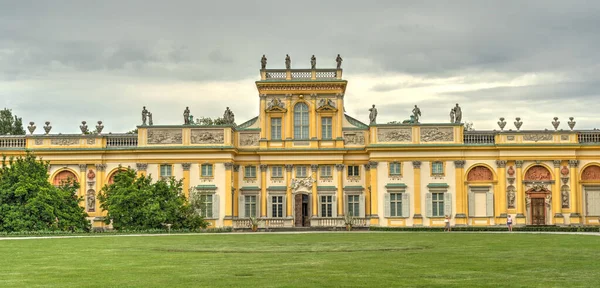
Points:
(304, 260)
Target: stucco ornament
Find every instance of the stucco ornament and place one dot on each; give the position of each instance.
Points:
(437, 134)
(480, 173)
(571, 123)
(249, 139)
(31, 127)
(537, 137)
(538, 173)
(84, 127)
(555, 123)
(591, 173)
(305, 182)
(518, 123)
(354, 138)
(394, 134)
(164, 136)
(502, 123)
(91, 175)
(99, 127)
(324, 102)
(275, 103)
(206, 136)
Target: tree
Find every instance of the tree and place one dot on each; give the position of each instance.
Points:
(28, 202)
(9, 124)
(134, 131)
(210, 121)
(136, 203)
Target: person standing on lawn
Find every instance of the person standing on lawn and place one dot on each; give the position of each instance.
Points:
(447, 223)
(509, 223)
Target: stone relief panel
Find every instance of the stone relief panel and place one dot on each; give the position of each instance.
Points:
(91, 141)
(537, 137)
(436, 134)
(480, 173)
(354, 138)
(90, 202)
(511, 196)
(394, 134)
(564, 195)
(249, 139)
(64, 141)
(164, 136)
(39, 141)
(538, 173)
(206, 136)
(591, 173)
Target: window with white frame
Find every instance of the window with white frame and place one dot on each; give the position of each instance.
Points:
(250, 206)
(353, 205)
(326, 171)
(301, 121)
(166, 170)
(437, 168)
(481, 201)
(301, 171)
(277, 206)
(206, 203)
(206, 170)
(250, 171)
(353, 171)
(326, 128)
(275, 128)
(326, 206)
(395, 169)
(276, 172)
(439, 202)
(396, 203)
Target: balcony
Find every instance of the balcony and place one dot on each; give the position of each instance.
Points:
(479, 138)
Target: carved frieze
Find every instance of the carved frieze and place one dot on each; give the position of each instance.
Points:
(305, 182)
(39, 141)
(354, 138)
(164, 136)
(394, 134)
(207, 136)
(276, 105)
(591, 173)
(249, 139)
(436, 134)
(480, 173)
(91, 141)
(537, 137)
(538, 173)
(64, 141)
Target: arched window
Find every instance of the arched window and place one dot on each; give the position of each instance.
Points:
(301, 121)
(63, 176)
(111, 179)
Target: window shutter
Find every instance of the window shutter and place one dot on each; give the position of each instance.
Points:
(269, 206)
(334, 206)
(284, 208)
(405, 205)
(489, 204)
(242, 207)
(258, 206)
(319, 206)
(448, 204)
(428, 200)
(471, 204)
(362, 205)
(215, 206)
(386, 204)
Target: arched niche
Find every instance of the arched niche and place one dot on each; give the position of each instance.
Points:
(537, 173)
(480, 173)
(62, 176)
(591, 173)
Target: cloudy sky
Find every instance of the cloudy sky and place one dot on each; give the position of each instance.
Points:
(68, 61)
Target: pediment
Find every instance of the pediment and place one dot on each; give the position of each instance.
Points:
(275, 109)
(326, 108)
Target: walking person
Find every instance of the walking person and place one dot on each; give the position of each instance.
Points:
(509, 223)
(447, 223)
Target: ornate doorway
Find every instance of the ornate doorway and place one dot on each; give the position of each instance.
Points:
(302, 210)
(538, 211)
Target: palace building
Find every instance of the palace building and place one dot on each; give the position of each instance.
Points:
(303, 162)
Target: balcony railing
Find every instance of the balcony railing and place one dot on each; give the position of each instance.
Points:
(588, 137)
(129, 140)
(12, 142)
(479, 138)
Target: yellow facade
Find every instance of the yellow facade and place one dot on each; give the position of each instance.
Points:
(303, 162)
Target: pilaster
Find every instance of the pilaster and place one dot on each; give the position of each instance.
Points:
(314, 168)
(417, 217)
(228, 220)
(141, 168)
(368, 207)
(263, 190)
(82, 181)
(520, 219)
(374, 194)
(288, 119)
(500, 198)
(575, 197)
(186, 179)
(288, 193)
(100, 170)
(263, 116)
(235, 189)
(556, 197)
(312, 128)
(460, 218)
(340, 189)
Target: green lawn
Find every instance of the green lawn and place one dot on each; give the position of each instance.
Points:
(304, 260)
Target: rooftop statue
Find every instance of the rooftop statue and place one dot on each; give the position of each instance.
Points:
(186, 116)
(339, 60)
(451, 115)
(416, 113)
(263, 62)
(372, 115)
(313, 62)
(144, 115)
(457, 114)
(228, 116)
(150, 119)
(288, 62)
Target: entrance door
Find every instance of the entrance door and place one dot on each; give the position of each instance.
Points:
(538, 211)
(302, 210)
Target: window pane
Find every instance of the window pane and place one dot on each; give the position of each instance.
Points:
(276, 128)
(326, 128)
(301, 121)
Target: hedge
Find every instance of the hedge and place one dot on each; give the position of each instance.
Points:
(492, 229)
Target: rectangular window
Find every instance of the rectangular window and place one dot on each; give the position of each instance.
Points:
(277, 206)
(301, 171)
(395, 169)
(206, 170)
(326, 171)
(250, 171)
(275, 128)
(166, 170)
(437, 204)
(437, 168)
(206, 205)
(326, 206)
(326, 128)
(395, 204)
(353, 205)
(250, 205)
(276, 172)
(354, 171)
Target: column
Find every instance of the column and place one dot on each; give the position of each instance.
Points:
(340, 189)
(100, 168)
(288, 132)
(263, 116)
(340, 118)
(141, 168)
(374, 195)
(368, 207)
(263, 190)
(235, 191)
(312, 128)
(82, 180)
(186, 179)
(288, 193)
(556, 197)
(417, 217)
(314, 168)
(520, 193)
(228, 220)
(575, 199)
(461, 198)
(500, 198)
